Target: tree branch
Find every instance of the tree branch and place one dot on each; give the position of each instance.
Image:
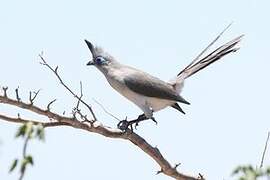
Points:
(95, 127)
(84, 123)
(21, 120)
(55, 71)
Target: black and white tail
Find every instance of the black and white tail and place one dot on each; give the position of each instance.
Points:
(200, 62)
(217, 54)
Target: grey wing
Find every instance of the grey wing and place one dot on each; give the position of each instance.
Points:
(150, 86)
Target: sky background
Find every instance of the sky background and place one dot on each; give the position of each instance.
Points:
(225, 125)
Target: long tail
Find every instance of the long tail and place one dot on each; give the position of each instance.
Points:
(210, 58)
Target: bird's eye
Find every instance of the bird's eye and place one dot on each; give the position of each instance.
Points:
(100, 60)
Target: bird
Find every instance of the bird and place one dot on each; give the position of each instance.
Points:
(148, 92)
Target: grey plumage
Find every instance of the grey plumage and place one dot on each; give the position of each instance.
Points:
(152, 87)
(149, 93)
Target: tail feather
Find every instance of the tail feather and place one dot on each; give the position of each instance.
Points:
(210, 58)
(177, 107)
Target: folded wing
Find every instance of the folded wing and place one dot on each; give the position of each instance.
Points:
(150, 86)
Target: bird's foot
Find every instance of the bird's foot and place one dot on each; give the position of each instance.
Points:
(124, 124)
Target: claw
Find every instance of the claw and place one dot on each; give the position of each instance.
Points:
(136, 124)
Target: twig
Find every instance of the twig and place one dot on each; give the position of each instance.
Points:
(76, 109)
(201, 176)
(176, 165)
(50, 103)
(31, 99)
(265, 148)
(5, 91)
(104, 109)
(17, 94)
(62, 82)
(81, 95)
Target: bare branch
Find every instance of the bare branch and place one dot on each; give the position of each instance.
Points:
(96, 127)
(33, 108)
(265, 148)
(66, 87)
(35, 122)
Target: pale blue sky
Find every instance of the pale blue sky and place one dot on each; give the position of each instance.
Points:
(226, 124)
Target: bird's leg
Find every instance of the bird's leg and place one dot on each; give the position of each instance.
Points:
(140, 118)
(123, 125)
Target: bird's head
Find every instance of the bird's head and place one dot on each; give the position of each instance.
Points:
(100, 59)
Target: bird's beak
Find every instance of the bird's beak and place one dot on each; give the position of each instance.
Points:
(90, 63)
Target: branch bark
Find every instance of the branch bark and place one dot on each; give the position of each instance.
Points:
(94, 127)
